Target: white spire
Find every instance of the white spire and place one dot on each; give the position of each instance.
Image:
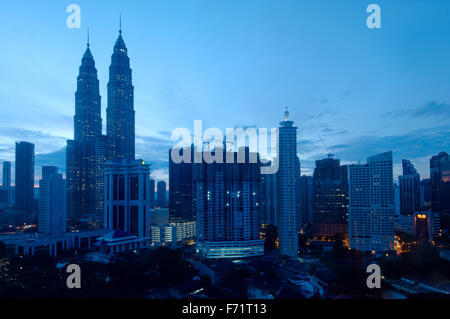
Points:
(286, 114)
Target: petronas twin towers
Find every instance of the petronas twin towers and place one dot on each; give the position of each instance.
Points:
(90, 149)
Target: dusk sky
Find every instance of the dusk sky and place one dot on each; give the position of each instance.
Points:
(352, 91)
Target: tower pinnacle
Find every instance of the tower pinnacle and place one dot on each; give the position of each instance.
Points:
(120, 23)
(286, 114)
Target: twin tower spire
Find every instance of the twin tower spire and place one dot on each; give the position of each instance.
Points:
(120, 101)
(87, 153)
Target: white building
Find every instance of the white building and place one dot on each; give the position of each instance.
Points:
(371, 204)
(127, 200)
(164, 235)
(52, 202)
(287, 182)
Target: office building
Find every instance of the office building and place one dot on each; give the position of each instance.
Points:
(126, 198)
(330, 199)
(440, 182)
(409, 184)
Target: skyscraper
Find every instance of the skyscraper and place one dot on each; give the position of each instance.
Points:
(6, 175)
(161, 194)
(81, 162)
(120, 110)
(371, 204)
(440, 182)
(52, 202)
(227, 208)
(24, 176)
(330, 204)
(409, 189)
(287, 188)
(181, 188)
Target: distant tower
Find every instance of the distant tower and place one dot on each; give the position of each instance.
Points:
(287, 188)
(6, 175)
(80, 153)
(410, 200)
(440, 182)
(120, 110)
(24, 176)
(161, 194)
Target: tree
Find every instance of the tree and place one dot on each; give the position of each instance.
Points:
(2, 249)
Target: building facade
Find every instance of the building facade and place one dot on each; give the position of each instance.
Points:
(161, 194)
(330, 203)
(181, 187)
(126, 197)
(371, 204)
(81, 161)
(6, 175)
(52, 202)
(440, 182)
(409, 184)
(306, 198)
(227, 207)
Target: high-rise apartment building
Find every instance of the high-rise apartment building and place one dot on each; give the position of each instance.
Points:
(287, 188)
(227, 207)
(371, 204)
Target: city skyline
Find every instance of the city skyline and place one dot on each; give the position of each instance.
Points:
(351, 121)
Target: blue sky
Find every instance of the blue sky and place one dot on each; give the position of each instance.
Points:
(351, 90)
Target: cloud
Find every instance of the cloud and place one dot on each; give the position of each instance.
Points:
(345, 95)
(325, 113)
(44, 143)
(432, 109)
